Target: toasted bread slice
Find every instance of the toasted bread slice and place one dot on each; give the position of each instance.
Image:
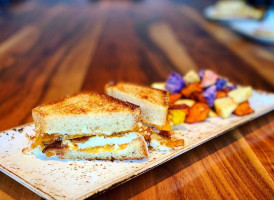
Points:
(86, 114)
(153, 102)
(136, 149)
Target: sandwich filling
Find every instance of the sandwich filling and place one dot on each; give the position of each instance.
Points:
(56, 144)
(160, 140)
(163, 141)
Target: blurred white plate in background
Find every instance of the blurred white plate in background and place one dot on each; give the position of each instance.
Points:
(248, 28)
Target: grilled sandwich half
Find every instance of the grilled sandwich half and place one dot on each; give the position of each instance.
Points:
(153, 102)
(89, 126)
(154, 105)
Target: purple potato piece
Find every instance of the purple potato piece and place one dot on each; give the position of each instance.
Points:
(175, 83)
(220, 83)
(210, 94)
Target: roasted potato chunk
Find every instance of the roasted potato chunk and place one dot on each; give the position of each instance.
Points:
(225, 106)
(197, 113)
(240, 95)
(243, 109)
(174, 97)
(190, 89)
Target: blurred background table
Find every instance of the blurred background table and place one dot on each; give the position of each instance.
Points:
(49, 49)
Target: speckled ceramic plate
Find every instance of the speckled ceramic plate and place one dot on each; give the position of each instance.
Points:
(68, 179)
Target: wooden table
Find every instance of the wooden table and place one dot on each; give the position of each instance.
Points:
(49, 49)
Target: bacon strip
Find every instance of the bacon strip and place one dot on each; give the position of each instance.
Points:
(166, 134)
(56, 147)
(80, 140)
(47, 143)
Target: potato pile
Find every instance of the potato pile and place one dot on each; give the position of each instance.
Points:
(196, 96)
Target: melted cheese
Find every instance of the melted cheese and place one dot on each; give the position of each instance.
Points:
(164, 144)
(40, 138)
(168, 125)
(50, 153)
(107, 147)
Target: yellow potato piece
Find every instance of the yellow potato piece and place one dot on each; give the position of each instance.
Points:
(241, 94)
(212, 114)
(158, 85)
(225, 106)
(188, 102)
(178, 116)
(192, 77)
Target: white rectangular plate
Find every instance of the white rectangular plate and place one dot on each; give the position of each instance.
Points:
(68, 179)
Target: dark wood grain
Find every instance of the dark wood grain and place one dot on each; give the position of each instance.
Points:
(50, 49)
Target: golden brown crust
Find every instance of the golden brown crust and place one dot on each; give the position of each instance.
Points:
(143, 92)
(83, 103)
